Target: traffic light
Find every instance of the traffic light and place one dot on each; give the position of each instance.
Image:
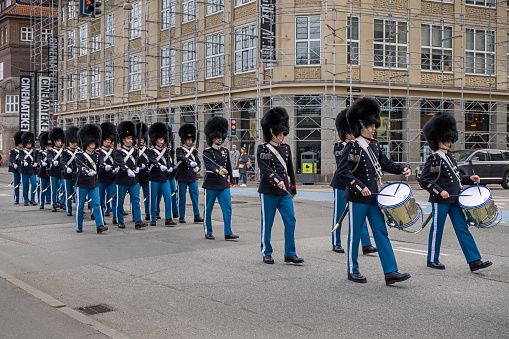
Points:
(233, 127)
(89, 8)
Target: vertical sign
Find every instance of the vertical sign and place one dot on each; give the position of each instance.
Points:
(53, 66)
(268, 30)
(25, 103)
(44, 97)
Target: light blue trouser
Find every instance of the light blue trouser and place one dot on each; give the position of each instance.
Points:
(284, 204)
(43, 196)
(193, 192)
(69, 190)
(27, 179)
(225, 201)
(339, 207)
(357, 217)
(106, 191)
(145, 188)
(465, 238)
(134, 196)
(16, 179)
(55, 185)
(81, 197)
(164, 189)
(174, 196)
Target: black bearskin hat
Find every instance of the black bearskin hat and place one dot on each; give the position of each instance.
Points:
(158, 130)
(88, 134)
(365, 111)
(108, 131)
(275, 121)
(187, 131)
(56, 134)
(216, 127)
(342, 125)
(126, 129)
(71, 134)
(28, 137)
(17, 138)
(441, 127)
(143, 127)
(44, 140)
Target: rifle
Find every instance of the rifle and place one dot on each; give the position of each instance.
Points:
(168, 131)
(172, 144)
(138, 142)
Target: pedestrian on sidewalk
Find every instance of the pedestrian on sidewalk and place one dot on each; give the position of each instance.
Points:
(234, 159)
(244, 160)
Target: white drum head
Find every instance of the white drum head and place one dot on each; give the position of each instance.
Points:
(397, 198)
(470, 197)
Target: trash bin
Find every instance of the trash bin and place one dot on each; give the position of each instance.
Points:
(309, 165)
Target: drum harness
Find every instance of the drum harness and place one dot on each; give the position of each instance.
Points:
(371, 155)
(449, 163)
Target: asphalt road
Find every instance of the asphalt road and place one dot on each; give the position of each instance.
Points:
(164, 282)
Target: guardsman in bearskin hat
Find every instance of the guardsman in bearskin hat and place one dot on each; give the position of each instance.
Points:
(88, 160)
(125, 158)
(188, 164)
(360, 167)
(14, 165)
(143, 163)
(28, 163)
(441, 178)
(107, 185)
(68, 165)
(56, 136)
(216, 183)
(42, 161)
(160, 166)
(277, 183)
(345, 136)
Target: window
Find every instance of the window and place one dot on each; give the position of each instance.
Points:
(70, 87)
(245, 49)
(481, 156)
(71, 10)
(45, 35)
(307, 40)
(352, 36)
(480, 51)
(214, 55)
(109, 27)
(96, 43)
(490, 3)
(70, 45)
(1, 70)
(390, 44)
(82, 85)
(11, 103)
(95, 82)
(436, 48)
(134, 72)
(241, 2)
(83, 36)
(496, 156)
(214, 6)
(167, 65)
(135, 21)
(109, 78)
(167, 14)
(477, 123)
(188, 10)
(26, 33)
(188, 60)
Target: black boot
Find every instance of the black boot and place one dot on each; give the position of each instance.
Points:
(338, 249)
(182, 220)
(357, 277)
(170, 222)
(436, 265)
(101, 229)
(121, 225)
(175, 215)
(114, 221)
(153, 223)
(198, 219)
(147, 217)
(41, 207)
(294, 259)
(394, 277)
(478, 264)
(369, 249)
(139, 225)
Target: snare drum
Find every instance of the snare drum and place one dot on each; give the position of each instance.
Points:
(399, 207)
(478, 207)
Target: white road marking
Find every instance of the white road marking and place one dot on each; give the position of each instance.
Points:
(414, 251)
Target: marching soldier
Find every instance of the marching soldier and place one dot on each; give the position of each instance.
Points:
(142, 128)
(88, 161)
(42, 160)
(160, 166)
(28, 163)
(277, 183)
(56, 136)
(107, 186)
(188, 165)
(68, 165)
(441, 178)
(125, 159)
(345, 136)
(216, 183)
(360, 168)
(14, 165)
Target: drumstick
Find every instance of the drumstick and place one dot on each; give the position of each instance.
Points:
(477, 184)
(397, 188)
(385, 195)
(460, 195)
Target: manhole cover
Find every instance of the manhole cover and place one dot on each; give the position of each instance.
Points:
(95, 309)
(239, 202)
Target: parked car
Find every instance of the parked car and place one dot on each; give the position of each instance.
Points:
(492, 165)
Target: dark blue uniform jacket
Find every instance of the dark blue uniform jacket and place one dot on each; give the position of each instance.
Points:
(143, 159)
(122, 177)
(68, 160)
(272, 171)
(14, 158)
(185, 172)
(155, 172)
(214, 159)
(84, 167)
(54, 171)
(104, 175)
(42, 156)
(336, 180)
(30, 156)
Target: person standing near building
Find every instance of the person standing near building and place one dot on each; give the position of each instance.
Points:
(42, 161)
(67, 162)
(277, 183)
(14, 165)
(345, 136)
(360, 167)
(188, 165)
(28, 163)
(442, 179)
(88, 161)
(216, 184)
(56, 136)
(244, 160)
(235, 157)
(107, 185)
